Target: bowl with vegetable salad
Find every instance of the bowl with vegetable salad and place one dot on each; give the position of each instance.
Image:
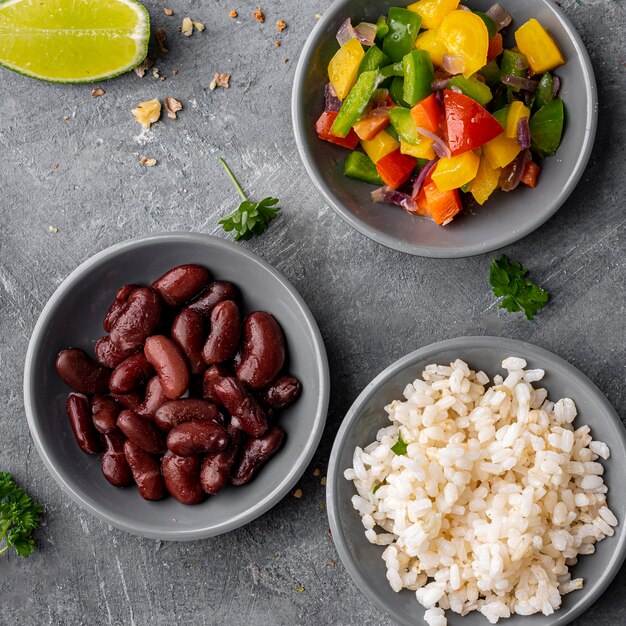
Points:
(442, 129)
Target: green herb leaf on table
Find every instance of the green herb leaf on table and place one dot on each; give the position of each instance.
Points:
(509, 281)
(19, 517)
(251, 218)
(400, 447)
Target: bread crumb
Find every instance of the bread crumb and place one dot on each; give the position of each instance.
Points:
(199, 26)
(53, 229)
(171, 106)
(187, 27)
(144, 160)
(168, 11)
(297, 493)
(316, 471)
(277, 44)
(233, 13)
(323, 481)
(143, 67)
(96, 93)
(147, 113)
(66, 117)
(220, 80)
(318, 16)
(160, 37)
(280, 26)
(155, 72)
(259, 15)
(330, 563)
(55, 166)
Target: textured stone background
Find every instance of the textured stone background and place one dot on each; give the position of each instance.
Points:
(87, 572)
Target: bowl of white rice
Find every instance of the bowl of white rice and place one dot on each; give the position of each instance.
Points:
(477, 481)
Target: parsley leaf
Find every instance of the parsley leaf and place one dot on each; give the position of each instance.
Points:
(509, 282)
(400, 447)
(19, 517)
(251, 218)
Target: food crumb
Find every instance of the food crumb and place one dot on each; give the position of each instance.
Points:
(147, 113)
(297, 493)
(323, 481)
(144, 160)
(187, 27)
(53, 229)
(155, 72)
(160, 37)
(316, 471)
(286, 60)
(276, 555)
(318, 16)
(277, 44)
(97, 92)
(299, 589)
(55, 166)
(199, 26)
(162, 78)
(330, 563)
(168, 11)
(233, 13)
(171, 106)
(259, 15)
(220, 80)
(66, 117)
(143, 67)
(280, 26)
(174, 72)
(322, 506)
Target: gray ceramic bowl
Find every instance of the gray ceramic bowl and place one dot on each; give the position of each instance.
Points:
(366, 416)
(73, 317)
(504, 218)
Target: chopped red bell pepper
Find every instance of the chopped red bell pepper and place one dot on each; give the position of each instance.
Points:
(530, 174)
(468, 124)
(427, 114)
(323, 126)
(396, 168)
(496, 47)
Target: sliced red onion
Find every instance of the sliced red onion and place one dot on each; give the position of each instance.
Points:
(439, 97)
(391, 196)
(440, 84)
(453, 64)
(512, 173)
(366, 33)
(500, 16)
(332, 102)
(421, 177)
(521, 62)
(439, 145)
(523, 133)
(556, 85)
(345, 32)
(519, 81)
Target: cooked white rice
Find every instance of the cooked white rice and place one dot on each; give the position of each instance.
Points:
(494, 499)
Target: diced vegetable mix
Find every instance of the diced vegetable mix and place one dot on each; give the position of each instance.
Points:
(432, 104)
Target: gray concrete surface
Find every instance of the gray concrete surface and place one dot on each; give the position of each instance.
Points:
(373, 305)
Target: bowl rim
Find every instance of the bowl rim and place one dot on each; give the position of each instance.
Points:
(505, 238)
(592, 593)
(318, 421)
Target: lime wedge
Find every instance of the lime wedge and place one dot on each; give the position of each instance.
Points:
(73, 41)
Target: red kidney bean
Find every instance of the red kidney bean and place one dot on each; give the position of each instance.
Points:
(146, 471)
(181, 283)
(154, 399)
(104, 412)
(216, 466)
(175, 412)
(130, 400)
(211, 377)
(141, 432)
(117, 306)
(223, 339)
(182, 477)
(170, 365)
(197, 437)
(284, 391)
(245, 411)
(188, 332)
(215, 293)
(263, 352)
(108, 354)
(78, 370)
(137, 319)
(130, 374)
(113, 462)
(79, 412)
(255, 453)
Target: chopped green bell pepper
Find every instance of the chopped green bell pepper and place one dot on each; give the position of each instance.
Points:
(355, 103)
(396, 91)
(404, 124)
(418, 76)
(500, 98)
(361, 167)
(403, 26)
(491, 73)
(472, 88)
(546, 128)
(373, 59)
(492, 29)
(395, 69)
(502, 115)
(543, 93)
(381, 28)
(508, 65)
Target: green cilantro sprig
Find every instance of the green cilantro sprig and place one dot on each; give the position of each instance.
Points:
(508, 281)
(400, 446)
(251, 218)
(19, 517)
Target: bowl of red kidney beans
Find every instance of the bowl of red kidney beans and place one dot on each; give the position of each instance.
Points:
(176, 386)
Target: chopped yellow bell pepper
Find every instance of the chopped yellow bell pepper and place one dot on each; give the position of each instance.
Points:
(486, 181)
(422, 150)
(380, 146)
(429, 42)
(433, 11)
(517, 111)
(343, 68)
(536, 43)
(465, 35)
(455, 171)
(501, 151)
